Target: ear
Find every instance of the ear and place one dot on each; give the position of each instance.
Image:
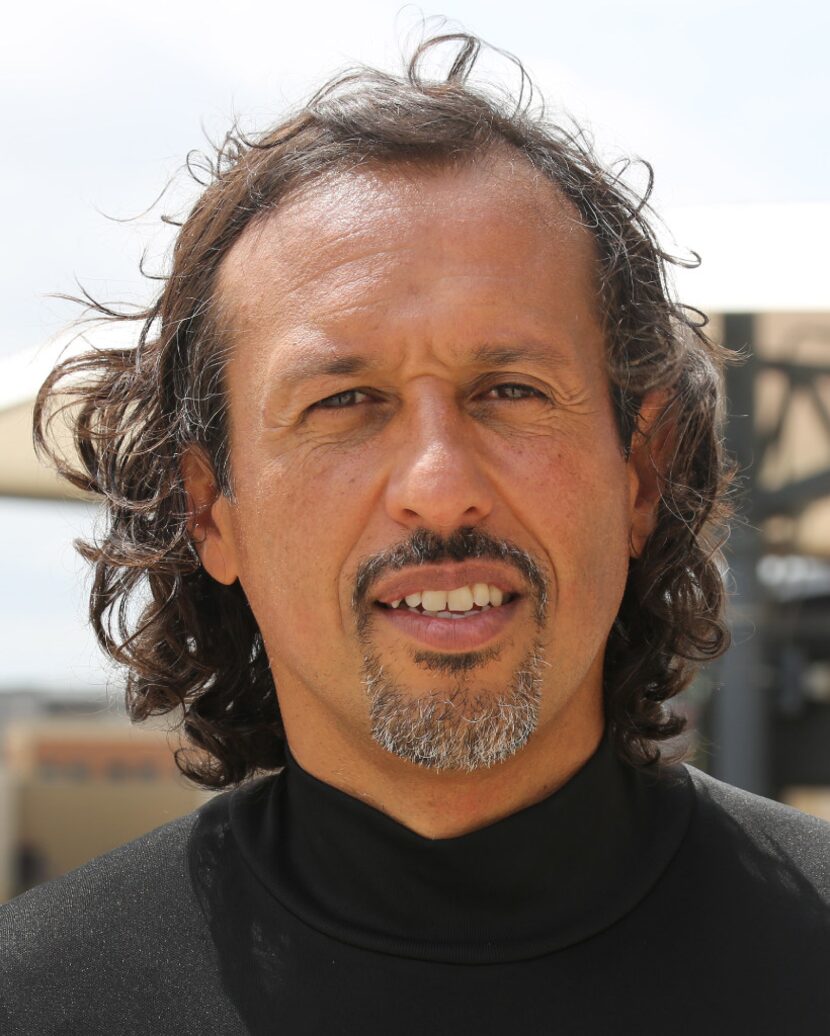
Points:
(652, 445)
(209, 522)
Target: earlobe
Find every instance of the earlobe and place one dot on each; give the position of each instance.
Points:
(210, 522)
(648, 463)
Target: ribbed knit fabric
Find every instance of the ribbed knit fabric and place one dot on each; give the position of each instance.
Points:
(621, 904)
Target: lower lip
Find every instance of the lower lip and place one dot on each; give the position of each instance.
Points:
(476, 631)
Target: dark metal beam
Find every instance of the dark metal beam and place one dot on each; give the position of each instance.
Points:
(801, 373)
(791, 499)
(740, 735)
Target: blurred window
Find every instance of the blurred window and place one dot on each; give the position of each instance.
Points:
(78, 771)
(118, 770)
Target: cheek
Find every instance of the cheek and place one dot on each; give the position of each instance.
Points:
(299, 521)
(576, 504)
(595, 565)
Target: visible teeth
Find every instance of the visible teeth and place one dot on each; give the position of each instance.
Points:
(433, 600)
(460, 600)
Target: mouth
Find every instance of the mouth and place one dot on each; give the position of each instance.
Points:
(459, 603)
(447, 617)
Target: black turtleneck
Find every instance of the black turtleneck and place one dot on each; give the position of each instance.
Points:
(542, 879)
(626, 902)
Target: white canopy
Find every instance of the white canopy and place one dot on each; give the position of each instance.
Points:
(21, 375)
(756, 258)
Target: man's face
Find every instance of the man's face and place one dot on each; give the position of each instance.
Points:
(420, 414)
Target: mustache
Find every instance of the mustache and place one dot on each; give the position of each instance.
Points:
(425, 547)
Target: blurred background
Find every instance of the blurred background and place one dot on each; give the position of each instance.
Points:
(728, 100)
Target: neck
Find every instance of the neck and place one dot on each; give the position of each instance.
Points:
(446, 804)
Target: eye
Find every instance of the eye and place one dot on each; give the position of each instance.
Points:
(341, 400)
(514, 391)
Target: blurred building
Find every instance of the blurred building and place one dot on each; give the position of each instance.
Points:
(797, 648)
(77, 783)
(768, 726)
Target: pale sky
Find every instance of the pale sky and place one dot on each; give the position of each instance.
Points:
(727, 98)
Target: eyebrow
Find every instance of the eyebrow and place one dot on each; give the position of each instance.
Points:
(310, 366)
(508, 356)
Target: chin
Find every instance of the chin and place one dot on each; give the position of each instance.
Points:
(464, 725)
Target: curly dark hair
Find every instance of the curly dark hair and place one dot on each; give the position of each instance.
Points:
(193, 645)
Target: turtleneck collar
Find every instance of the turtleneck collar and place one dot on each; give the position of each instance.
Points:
(546, 877)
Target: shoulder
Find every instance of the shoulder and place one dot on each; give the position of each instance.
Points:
(106, 892)
(95, 947)
(770, 826)
(770, 843)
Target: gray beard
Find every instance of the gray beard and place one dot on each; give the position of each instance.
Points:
(462, 729)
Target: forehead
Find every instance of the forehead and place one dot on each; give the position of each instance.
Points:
(477, 249)
(498, 200)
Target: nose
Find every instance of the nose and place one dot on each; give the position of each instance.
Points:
(436, 480)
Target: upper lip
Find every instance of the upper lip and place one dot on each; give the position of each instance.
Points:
(446, 577)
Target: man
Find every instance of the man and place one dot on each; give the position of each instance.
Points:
(420, 466)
